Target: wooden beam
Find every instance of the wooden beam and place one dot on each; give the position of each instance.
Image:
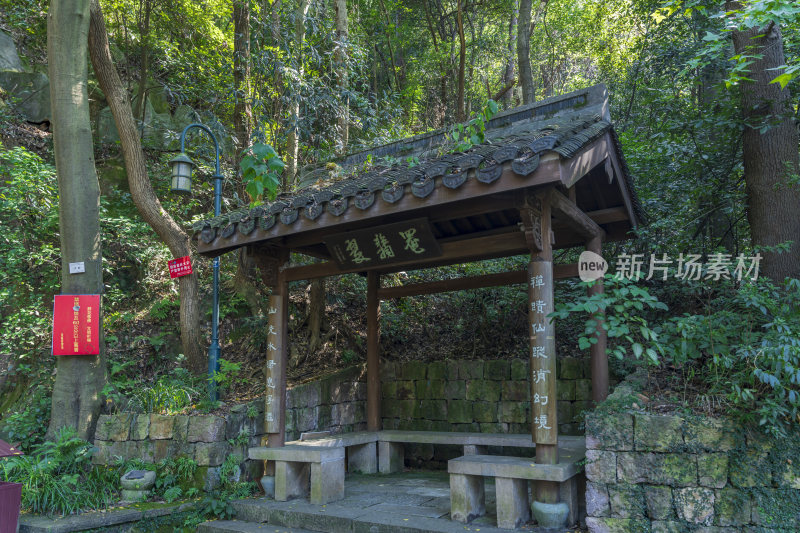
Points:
(577, 219)
(471, 282)
(452, 252)
(373, 357)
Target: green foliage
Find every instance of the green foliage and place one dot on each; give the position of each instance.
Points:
(619, 311)
(465, 136)
(170, 394)
(227, 374)
(261, 173)
(25, 424)
(217, 504)
(748, 349)
(744, 345)
(58, 477)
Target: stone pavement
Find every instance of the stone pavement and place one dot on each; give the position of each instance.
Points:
(409, 502)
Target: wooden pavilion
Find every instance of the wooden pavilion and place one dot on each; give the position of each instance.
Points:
(550, 175)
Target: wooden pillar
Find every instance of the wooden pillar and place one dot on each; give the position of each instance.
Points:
(598, 350)
(544, 415)
(373, 358)
(270, 263)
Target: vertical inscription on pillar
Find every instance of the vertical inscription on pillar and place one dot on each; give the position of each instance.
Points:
(544, 423)
(274, 367)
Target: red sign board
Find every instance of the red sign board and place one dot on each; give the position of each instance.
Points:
(76, 324)
(182, 266)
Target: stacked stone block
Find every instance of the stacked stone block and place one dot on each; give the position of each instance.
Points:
(490, 396)
(663, 474)
(336, 403)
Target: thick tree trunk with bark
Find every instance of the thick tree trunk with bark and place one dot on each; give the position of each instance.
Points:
(771, 157)
(142, 192)
(77, 392)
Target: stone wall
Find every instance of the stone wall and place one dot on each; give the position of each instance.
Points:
(663, 474)
(490, 396)
(208, 439)
(335, 403)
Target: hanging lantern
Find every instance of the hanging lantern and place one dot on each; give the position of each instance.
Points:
(182, 174)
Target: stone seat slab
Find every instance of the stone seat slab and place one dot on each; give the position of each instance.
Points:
(512, 467)
(297, 454)
(341, 440)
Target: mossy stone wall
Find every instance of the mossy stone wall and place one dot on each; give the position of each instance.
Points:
(665, 473)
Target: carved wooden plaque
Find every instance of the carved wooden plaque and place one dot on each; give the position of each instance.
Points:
(384, 245)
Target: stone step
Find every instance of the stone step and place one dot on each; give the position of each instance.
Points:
(237, 526)
(334, 518)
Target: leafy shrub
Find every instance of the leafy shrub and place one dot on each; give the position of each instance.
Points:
(25, 425)
(58, 477)
(621, 307)
(744, 344)
(165, 396)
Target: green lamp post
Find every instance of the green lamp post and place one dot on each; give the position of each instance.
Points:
(182, 167)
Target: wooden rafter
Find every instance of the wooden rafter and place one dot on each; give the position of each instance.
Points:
(472, 282)
(577, 219)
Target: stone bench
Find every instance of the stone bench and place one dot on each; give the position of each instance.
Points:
(317, 471)
(512, 476)
(362, 453)
(391, 454)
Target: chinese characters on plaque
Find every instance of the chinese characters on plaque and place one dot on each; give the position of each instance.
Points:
(76, 324)
(392, 243)
(181, 266)
(543, 359)
(274, 368)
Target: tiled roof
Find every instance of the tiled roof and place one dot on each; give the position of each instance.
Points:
(520, 144)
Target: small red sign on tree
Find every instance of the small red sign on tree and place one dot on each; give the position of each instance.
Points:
(76, 324)
(182, 266)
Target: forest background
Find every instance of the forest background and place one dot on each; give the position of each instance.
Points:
(698, 92)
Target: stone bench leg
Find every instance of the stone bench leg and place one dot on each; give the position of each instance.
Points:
(327, 481)
(475, 449)
(390, 457)
(513, 508)
(467, 497)
(291, 480)
(568, 493)
(363, 458)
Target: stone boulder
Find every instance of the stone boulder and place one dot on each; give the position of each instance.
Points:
(9, 60)
(28, 93)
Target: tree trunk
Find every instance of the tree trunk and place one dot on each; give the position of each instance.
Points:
(242, 113)
(525, 27)
(77, 392)
(292, 141)
(142, 192)
(461, 115)
(771, 157)
(342, 74)
(508, 75)
(524, 51)
(316, 313)
(143, 22)
(275, 30)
